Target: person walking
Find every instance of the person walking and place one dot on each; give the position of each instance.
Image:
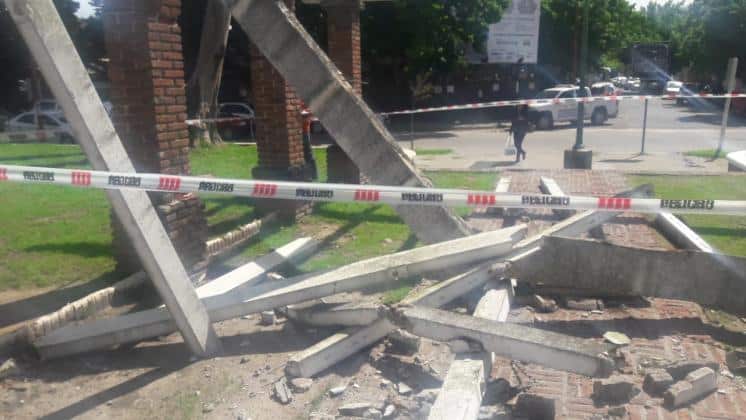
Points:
(518, 129)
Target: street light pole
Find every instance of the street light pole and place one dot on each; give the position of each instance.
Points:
(583, 70)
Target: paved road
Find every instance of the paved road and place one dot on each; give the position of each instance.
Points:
(671, 130)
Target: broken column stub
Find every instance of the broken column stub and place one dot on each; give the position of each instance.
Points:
(695, 386)
(615, 390)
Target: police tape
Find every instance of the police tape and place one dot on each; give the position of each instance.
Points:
(307, 191)
(555, 101)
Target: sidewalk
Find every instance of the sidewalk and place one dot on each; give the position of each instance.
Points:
(495, 161)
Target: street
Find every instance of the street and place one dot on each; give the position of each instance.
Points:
(671, 130)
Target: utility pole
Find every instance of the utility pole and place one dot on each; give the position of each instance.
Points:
(730, 85)
(579, 157)
(583, 78)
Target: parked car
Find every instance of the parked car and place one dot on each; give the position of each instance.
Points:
(672, 88)
(605, 89)
(546, 114)
(29, 121)
(243, 126)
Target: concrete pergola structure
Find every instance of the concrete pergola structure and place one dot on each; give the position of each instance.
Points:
(148, 93)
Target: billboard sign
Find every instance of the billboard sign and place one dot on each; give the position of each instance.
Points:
(516, 35)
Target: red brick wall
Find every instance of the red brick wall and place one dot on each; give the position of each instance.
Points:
(343, 33)
(146, 70)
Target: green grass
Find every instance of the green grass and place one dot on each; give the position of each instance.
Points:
(434, 152)
(57, 235)
(706, 153)
(726, 233)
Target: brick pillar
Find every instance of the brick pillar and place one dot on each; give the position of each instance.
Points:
(146, 71)
(343, 34)
(278, 133)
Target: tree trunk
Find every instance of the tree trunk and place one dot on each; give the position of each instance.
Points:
(205, 80)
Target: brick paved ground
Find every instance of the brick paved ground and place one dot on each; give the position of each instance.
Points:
(630, 229)
(664, 331)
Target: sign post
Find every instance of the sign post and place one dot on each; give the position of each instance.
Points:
(730, 85)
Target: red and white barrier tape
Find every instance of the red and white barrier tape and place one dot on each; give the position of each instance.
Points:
(588, 99)
(359, 193)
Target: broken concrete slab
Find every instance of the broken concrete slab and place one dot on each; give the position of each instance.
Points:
(9, 368)
(320, 314)
(515, 342)
(339, 346)
(105, 333)
(616, 271)
(355, 128)
(357, 409)
(581, 304)
(281, 391)
(696, 385)
(56, 57)
(657, 382)
(301, 385)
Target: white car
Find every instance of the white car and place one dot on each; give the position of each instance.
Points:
(546, 114)
(673, 88)
(28, 121)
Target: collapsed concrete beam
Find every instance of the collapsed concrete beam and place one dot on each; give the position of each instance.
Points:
(708, 279)
(551, 187)
(356, 129)
(680, 234)
(239, 281)
(462, 391)
(337, 347)
(502, 187)
(105, 333)
(512, 341)
(342, 345)
(54, 53)
(322, 314)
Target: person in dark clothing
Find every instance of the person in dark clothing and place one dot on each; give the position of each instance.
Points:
(519, 128)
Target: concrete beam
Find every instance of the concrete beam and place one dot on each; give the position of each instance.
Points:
(502, 187)
(331, 350)
(680, 234)
(49, 43)
(462, 391)
(239, 281)
(551, 187)
(709, 279)
(320, 314)
(105, 333)
(512, 341)
(355, 128)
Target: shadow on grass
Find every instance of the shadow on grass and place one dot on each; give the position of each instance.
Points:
(84, 249)
(42, 304)
(367, 215)
(75, 153)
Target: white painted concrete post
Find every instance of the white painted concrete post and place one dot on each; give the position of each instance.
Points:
(49, 43)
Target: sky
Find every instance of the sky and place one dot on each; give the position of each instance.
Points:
(85, 9)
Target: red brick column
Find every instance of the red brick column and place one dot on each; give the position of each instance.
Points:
(343, 34)
(146, 71)
(279, 128)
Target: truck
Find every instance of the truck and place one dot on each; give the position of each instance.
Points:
(651, 63)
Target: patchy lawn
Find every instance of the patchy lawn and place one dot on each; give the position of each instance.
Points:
(726, 233)
(57, 235)
(707, 153)
(434, 152)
